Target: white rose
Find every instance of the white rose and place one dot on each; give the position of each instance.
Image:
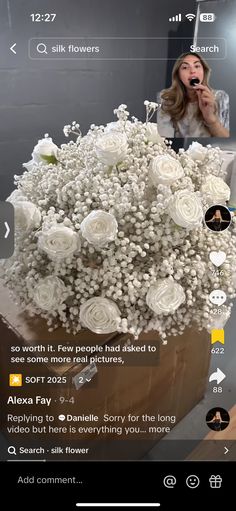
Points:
(27, 215)
(49, 293)
(100, 315)
(152, 134)
(29, 165)
(16, 196)
(59, 242)
(44, 151)
(114, 126)
(165, 296)
(165, 170)
(197, 151)
(111, 147)
(185, 209)
(99, 228)
(215, 189)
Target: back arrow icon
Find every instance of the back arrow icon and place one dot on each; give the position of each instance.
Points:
(12, 48)
(219, 376)
(7, 230)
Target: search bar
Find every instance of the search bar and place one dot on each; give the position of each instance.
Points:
(124, 48)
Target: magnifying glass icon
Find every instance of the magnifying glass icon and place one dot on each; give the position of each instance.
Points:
(11, 450)
(42, 48)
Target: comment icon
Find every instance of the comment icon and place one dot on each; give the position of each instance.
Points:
(217, 297)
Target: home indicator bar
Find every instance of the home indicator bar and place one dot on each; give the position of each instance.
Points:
(117, 504)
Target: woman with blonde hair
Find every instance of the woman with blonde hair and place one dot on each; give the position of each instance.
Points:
(217, 222)
(190, 108)
(217, 423)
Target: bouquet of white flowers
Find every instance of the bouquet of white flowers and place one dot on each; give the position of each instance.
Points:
(110, 232)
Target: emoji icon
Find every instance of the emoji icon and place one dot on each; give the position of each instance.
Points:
(217, 297)
(217, 258)
(192, 481)
(218, 336)
(15, 380)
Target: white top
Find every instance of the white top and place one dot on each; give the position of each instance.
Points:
(189, 126)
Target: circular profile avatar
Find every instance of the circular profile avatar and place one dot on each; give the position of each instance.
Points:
(217, 218)
(217, 419)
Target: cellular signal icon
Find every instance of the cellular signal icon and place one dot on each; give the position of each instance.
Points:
(178, 17)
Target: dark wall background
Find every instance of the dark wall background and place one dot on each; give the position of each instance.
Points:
(223, 74)
(38, 97)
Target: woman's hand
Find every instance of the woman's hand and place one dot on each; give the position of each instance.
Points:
(207, 103)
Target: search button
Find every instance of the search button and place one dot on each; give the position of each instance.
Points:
(42, 48)
(11, 450)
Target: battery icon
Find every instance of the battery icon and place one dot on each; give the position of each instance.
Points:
(207, 17)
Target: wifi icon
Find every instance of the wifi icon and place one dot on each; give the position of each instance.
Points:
(190, 16)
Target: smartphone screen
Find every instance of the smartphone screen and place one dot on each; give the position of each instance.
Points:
(117, 252)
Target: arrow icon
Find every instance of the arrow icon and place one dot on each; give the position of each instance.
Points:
(218, 376)
(7, 230)
(88, 379)
(226, 449)
(12, 48)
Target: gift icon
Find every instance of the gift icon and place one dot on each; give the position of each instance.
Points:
(215, 481)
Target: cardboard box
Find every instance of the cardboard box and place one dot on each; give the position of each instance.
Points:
(171, 384)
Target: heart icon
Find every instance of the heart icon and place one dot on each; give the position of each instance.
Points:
(217, 258)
